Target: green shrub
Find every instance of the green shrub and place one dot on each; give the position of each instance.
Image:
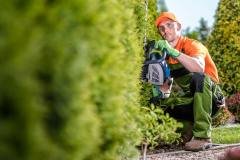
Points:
(69, 80)
(222, 117)
(159, 128)
(156, 126)
(44, 102)
(224, 44)
(116, 83)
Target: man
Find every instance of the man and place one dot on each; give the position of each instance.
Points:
(196, 78)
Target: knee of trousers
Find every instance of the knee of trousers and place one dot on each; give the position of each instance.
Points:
(197, 82)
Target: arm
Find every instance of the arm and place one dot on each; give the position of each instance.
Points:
(193, 64)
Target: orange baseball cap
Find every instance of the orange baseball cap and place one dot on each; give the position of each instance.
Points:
(165, 16)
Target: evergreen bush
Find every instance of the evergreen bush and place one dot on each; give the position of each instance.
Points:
(156, 126)
(116, 83)
(69, 80)
(224, 44)
(46, 113)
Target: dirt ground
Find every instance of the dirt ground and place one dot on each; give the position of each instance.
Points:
(202, 155)
(211, 154)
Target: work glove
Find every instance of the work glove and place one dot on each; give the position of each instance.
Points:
(161, 44)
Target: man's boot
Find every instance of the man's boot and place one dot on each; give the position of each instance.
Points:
(187, 132)
(198, 144)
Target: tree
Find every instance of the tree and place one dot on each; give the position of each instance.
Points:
(203, 30)
(224, 44)
(191, 33)
(199, 33)
(156, 126)
(161, 6)
(69, 80)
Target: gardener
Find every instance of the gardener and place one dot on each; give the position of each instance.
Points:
(195, 80)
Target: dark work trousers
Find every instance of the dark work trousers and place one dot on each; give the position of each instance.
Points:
(192, 100)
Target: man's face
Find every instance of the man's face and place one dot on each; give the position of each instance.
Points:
(169, 30)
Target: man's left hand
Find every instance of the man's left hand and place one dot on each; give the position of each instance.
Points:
(161, 44)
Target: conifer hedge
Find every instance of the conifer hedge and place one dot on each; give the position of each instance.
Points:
(157, 127)
(116, 86)
(69, 80)
(224, 44)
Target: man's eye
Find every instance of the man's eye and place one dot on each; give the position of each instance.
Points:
(161, 29)
(170, 25)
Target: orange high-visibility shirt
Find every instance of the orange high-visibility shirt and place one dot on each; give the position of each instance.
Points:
(194, 48)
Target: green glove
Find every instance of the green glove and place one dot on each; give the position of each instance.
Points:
(161, 44)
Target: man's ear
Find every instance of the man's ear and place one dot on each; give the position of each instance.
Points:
(179, 26)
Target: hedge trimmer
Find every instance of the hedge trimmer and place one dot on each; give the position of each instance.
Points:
(156, 71)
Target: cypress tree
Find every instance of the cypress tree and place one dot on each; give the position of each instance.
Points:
(203, 30)
(156, 126)
(115, 86)
(69, 80)
(46, 111)
(200, 33)
(161, 5)
(223, 44)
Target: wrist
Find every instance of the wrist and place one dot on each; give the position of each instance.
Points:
(175, 53)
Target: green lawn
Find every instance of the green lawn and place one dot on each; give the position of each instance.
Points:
(226, 135)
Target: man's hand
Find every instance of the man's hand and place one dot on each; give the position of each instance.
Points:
(161, 44)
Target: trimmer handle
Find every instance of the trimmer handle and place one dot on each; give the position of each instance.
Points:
(164, 55)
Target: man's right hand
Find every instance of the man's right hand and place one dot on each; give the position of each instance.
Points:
(161, 44)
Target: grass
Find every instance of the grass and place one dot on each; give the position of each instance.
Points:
(226, 134)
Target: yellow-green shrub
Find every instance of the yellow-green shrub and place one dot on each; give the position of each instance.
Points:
(224, 44)
(156, 126)
(69, 80)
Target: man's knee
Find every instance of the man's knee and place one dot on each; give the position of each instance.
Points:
(197, 82)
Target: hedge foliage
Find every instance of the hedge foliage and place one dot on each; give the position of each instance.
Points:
(116, 85)
(69, 80)
(146, 19)
(224, 44)
(156, 126)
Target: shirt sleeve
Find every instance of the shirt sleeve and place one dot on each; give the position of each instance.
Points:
(195, 49)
